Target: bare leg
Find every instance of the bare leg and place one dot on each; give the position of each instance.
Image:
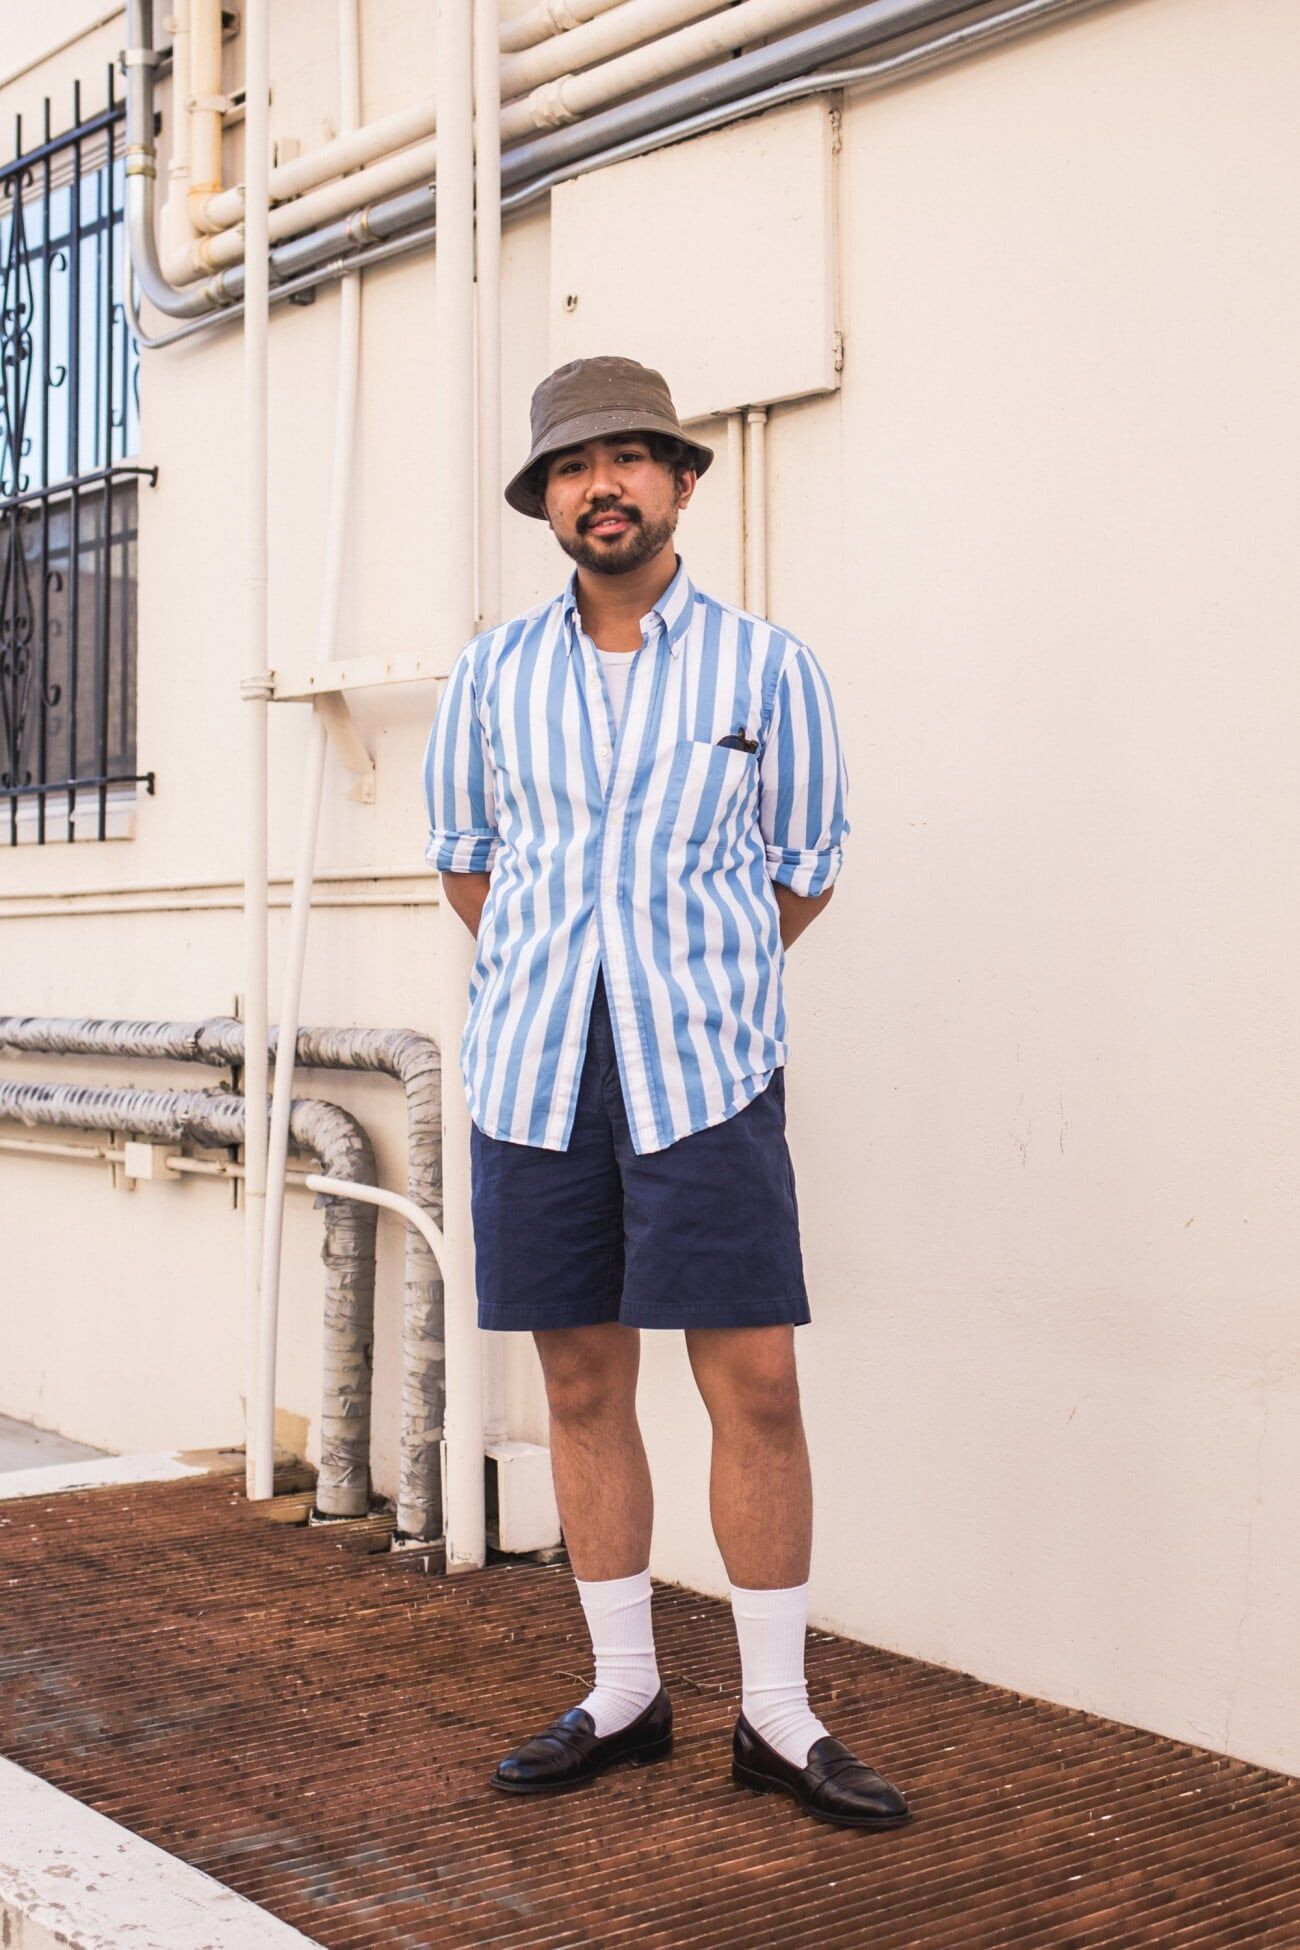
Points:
(598, 1460)
(760, 1484)
(760, 1495)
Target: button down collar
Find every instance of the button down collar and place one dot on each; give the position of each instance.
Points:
(672, 611)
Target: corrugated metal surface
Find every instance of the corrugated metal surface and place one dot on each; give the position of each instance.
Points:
(315, 1727)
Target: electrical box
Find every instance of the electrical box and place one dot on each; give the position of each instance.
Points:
(140, 1160)
(526, 1516)
(712, 260)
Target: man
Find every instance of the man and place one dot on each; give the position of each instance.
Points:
(636, 802)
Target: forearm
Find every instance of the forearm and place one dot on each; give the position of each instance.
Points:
(465, 894)
(798, 911)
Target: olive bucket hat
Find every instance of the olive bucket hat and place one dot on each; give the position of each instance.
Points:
(588, 399)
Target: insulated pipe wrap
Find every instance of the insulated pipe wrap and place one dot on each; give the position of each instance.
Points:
(415, 1062)
(344, 1151)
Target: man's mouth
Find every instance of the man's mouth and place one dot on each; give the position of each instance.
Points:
(610, 523)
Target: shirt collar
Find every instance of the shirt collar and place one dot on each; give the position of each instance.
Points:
(673, 609)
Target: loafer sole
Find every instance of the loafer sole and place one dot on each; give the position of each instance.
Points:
(657, 1750)
(766, 1784)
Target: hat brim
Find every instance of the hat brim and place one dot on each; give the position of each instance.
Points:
(595, 426)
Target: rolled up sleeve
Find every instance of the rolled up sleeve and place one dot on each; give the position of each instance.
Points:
(803, 781)
(459, 789)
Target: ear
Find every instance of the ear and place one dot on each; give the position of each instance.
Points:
(686, 479)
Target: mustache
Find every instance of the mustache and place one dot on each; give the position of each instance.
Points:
(599, 514)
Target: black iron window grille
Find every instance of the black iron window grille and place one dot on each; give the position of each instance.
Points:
(69, 422)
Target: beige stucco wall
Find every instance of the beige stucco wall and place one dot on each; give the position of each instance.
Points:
(1043, 1086)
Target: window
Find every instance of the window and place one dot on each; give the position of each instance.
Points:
(69, 420)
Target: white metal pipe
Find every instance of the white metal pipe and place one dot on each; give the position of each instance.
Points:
(211, 1168)
(487, 267)
(635, 22)
(345, 152)
(391, 1201)
(335, 199)
(37, 1148)
(736, 503)
(756, 510)
(487, 243)
(260, 1399)
(453, 622)
(550, 17)
(575, 95)
(175, 224)
(336, 549)
(204, 104)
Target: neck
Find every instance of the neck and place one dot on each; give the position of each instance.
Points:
(611, 607)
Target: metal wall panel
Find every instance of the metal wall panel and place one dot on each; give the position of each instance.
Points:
(713, 260)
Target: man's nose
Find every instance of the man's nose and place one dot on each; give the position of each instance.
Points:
(602, 482)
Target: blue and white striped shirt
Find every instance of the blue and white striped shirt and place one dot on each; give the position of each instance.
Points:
(647, 850)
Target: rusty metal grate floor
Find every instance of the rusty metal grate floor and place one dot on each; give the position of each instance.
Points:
(314, 1727)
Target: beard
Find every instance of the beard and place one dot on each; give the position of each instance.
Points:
(638, 546)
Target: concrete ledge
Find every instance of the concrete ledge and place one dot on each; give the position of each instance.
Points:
(71, 1879)
(103, 1472)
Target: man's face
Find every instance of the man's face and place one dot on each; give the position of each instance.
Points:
(611, 505)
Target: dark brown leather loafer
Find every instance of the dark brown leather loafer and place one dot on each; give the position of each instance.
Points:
(567, 1753)
(835, 1786)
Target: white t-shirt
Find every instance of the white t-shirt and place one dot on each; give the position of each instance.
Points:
(617, 666)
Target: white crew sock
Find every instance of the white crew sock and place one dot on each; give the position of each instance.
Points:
(770, 1627)
(627, 1677)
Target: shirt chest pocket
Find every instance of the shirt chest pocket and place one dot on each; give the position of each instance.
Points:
(709, 789)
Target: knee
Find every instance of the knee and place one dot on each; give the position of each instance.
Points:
(761, 1394)
(584, 1383)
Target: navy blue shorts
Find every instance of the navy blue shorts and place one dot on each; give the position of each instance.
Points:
(702, 1234)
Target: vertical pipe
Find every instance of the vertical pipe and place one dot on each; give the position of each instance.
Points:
(487, 280)
(487, 241)
(336, 540)
(202, 107)
(736, 511)
(256, 690)
(756, 510)
(453, 527)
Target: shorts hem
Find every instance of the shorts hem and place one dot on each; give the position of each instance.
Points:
(792, 1312)
(506, 1320)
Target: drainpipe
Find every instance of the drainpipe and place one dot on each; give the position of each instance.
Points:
(453, 612)
(205, 106)
(756, 510)
(347, 1157)
(487, 276)
(336, 548)
(256, 692)
(175, 226)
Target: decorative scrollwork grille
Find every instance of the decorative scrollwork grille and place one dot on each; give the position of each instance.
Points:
(69, 420)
